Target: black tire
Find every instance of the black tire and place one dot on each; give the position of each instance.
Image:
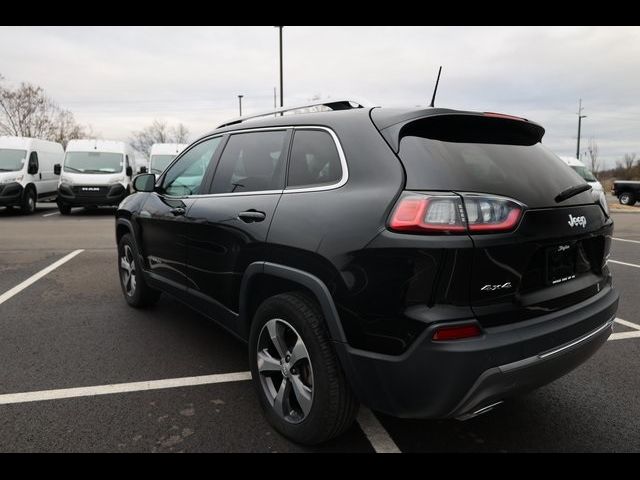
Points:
(627, 198)
(28, 205)
(333, 405)
(64, 209)
(136, 293)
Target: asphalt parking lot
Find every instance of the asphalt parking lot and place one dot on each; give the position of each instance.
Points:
(167, 379)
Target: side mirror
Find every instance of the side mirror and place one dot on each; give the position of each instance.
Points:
(129, 172)
(143, 169)
(145, 182)
(57, 169)
(32, 169)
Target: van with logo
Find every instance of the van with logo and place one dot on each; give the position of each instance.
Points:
(95, 173)
(162, 154)
(27, 173)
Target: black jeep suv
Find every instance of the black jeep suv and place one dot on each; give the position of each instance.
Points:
(428, 263)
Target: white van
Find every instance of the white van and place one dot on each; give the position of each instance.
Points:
(94, 173)
(582, 170)
(141, 164)
(162, 154)
(27, 173)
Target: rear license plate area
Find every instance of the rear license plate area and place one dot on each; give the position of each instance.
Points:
(561, 263)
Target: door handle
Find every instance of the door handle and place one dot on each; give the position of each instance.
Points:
(251, 216)
(178, 211)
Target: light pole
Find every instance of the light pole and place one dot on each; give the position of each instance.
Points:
(281, 83)
(580, 117)
(240, 103)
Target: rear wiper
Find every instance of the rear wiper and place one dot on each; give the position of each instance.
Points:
(572, 192)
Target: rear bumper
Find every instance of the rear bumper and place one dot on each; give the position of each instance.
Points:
(113, 195)
(459, 378)
(11, 194)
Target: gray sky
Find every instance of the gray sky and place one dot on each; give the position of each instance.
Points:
(118, 79)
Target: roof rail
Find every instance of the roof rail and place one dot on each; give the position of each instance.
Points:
(341, 104)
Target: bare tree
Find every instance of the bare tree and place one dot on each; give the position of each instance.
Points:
(626, 166)
(593, 156)
(629, 160)
(158, 132)
(26, 111)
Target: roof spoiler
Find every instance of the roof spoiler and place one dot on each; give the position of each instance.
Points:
(463, 127)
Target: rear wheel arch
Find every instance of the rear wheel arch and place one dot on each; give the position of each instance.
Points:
(262, 280)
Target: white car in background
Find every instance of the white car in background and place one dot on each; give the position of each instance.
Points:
(141, 164)
(162, 154)
(27, 173)
(582, 170)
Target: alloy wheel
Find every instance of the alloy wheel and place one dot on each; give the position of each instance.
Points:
(128, 271)
(285, 370)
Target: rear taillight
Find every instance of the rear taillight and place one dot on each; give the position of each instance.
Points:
(454, 214)
(457, 332)
(428, 213)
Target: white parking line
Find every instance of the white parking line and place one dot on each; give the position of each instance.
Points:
(623, 335)
(375, 432)
(34, 278)
(627, 323)
(625, 240)
(624, 263)
(49, 214)
(122, 388)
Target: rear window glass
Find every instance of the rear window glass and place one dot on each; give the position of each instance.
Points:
(531, 173)
(314, 160)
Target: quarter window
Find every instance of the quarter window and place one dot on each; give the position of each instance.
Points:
(185, 176)
(314, 160)
(252, 162)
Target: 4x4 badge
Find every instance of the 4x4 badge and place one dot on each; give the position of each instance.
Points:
(575, 221)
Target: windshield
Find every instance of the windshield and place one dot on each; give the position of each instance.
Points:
(12, 160)
(585, 173)
(160, 162)
(93, 162)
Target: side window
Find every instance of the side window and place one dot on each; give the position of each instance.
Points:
(314, 160)
(252, 162)
(33, 166)
(185, 176)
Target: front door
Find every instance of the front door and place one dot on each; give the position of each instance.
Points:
(162, 220)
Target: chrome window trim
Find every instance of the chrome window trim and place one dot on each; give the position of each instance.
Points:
(343, 164)
(332, 186)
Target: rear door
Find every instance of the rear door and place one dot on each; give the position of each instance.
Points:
(555, 255)
(228, 227)
(162, 220)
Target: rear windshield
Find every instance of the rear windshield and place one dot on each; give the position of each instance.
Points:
(529, 173)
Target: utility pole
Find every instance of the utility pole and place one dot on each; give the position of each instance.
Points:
(281, 88)
(240, 103)
(580, 117)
